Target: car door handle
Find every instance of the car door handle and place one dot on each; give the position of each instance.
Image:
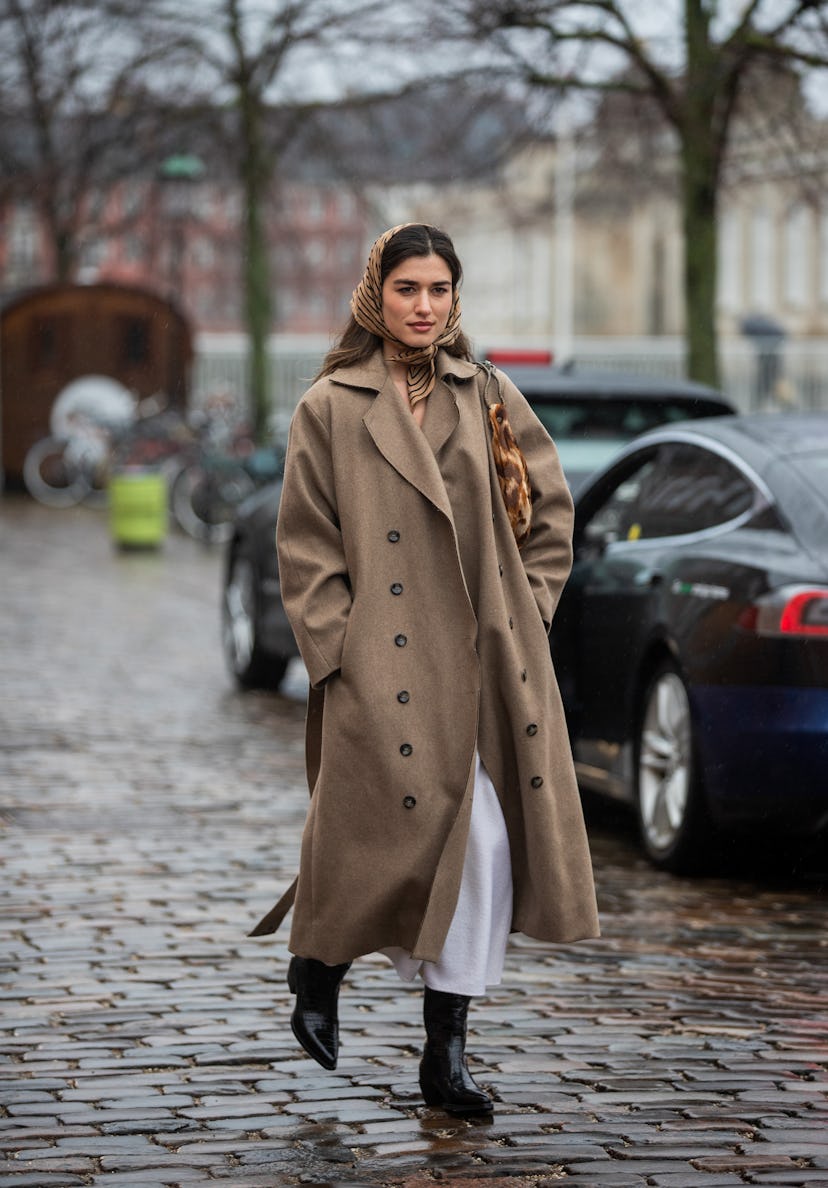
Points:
(649, 577)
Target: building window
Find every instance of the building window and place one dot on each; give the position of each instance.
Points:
(133, 248)
(730, 262)
(762, 263)
(316, 251)
(133, 198)
(797, 226)
(203, 252)
(22, 241)
(315, 205)
(347, 205)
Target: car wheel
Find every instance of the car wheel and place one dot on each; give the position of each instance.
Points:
(252, 667)
(672, 812)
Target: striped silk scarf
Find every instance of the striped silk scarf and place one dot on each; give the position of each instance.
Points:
(366, 306)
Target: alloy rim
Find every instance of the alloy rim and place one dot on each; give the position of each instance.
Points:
(239, 635)
(664, 763)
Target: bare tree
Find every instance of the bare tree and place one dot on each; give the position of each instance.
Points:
(695, 71)
(264, 67)
(74, 114)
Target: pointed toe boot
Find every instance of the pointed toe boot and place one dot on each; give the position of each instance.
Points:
(315, 1021)
(445, 1079)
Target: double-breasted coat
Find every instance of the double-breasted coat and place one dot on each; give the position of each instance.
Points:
(424, 632)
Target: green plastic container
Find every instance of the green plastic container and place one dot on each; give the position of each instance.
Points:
(138, 509)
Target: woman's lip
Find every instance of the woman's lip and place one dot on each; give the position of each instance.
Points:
(422, 325)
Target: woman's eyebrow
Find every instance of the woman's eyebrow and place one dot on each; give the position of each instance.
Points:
(401, 280)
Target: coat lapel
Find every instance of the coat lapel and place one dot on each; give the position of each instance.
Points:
(403, 444)
(396, 434)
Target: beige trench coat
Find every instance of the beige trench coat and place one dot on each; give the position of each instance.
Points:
(424, 633)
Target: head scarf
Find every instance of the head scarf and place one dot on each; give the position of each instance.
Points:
(366, 306)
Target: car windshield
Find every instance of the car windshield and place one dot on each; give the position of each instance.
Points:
(582, 457)
(588, 431)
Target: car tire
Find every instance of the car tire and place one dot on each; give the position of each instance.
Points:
(250, 664)
(673, 820)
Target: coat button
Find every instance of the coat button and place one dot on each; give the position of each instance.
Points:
(393, 536)
(536, 781)
(500, 569)
(406, 749)
(531, 729)
(400, 640)
(396, 588)
(404, 696)
(409, 801)
(523, 675)
(511, 623)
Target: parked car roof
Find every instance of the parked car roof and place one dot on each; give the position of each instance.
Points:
(608, 385)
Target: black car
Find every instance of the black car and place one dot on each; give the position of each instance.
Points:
(590, 416)
(257, 639)
(691, 641)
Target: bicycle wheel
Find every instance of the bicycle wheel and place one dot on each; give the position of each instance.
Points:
(204, 500)
(50, 477)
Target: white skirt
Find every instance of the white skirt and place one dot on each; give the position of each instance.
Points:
(475, 947)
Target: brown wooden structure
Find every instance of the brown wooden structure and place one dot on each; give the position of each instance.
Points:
(58, 333)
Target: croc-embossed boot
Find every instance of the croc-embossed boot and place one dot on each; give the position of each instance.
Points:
(315, 1021)
(445, 1079)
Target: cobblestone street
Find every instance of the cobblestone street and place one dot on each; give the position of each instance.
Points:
(151, 813)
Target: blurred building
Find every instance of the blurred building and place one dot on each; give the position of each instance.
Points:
(560, 237)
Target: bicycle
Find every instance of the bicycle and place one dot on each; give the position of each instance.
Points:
(62, 472)
(226, 468)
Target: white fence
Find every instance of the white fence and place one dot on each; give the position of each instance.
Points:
(793, 374)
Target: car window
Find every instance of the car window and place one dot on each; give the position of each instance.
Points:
(670, 491)
(595, 418)
(689, 489)
(617, 513)
(589, 430)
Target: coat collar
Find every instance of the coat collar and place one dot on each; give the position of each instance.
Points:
(372, 373)
(394, 431)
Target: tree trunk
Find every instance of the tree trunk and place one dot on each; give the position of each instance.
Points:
(700, 261)
(258, 308)
(700, 156)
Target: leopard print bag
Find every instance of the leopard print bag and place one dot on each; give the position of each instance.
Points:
(510, 464)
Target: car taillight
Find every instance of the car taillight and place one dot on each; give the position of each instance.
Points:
(791, 610)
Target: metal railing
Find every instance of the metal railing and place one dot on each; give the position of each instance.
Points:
(791, 374)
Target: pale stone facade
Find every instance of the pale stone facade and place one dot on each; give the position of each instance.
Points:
(626, 252)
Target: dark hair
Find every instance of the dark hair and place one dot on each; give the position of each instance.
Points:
(356, 344)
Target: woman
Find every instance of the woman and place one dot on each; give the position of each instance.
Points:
(444, 811)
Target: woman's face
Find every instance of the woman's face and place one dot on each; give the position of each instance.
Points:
(416, 300)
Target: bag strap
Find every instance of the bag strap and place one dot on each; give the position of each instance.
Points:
(490, 371)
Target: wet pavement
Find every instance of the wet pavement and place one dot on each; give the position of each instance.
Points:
(150, 813)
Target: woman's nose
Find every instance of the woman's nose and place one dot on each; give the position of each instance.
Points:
(423, 302)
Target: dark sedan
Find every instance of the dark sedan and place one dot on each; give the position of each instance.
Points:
(691, 641)
(257, 639)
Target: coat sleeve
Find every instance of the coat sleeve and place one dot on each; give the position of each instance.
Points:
(312, 570)
(547, 554)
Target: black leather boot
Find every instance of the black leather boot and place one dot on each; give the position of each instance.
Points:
(445, 1080)
(314, 1021)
